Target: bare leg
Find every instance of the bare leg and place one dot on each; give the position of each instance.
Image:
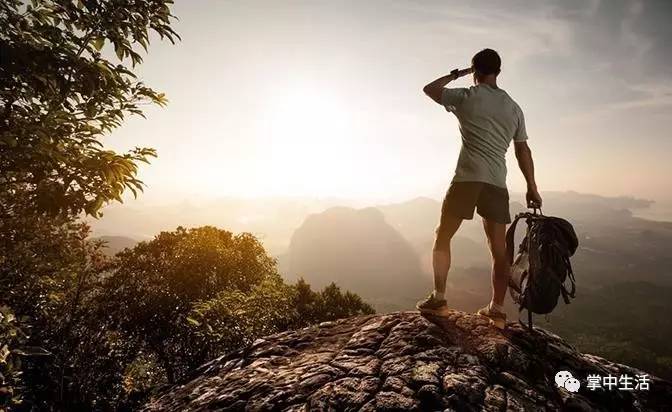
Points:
(441, 252)
(501, 270)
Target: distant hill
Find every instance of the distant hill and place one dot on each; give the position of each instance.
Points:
(359, 251)
(115, 244)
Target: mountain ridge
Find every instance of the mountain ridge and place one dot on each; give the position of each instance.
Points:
(406, 361)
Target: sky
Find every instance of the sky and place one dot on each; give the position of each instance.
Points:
(324, 98)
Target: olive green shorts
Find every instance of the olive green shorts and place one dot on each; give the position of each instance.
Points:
(490, 202)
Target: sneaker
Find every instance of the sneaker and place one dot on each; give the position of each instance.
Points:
(496, 318)
(432, 305)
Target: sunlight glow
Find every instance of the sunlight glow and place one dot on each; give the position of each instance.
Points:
(307, 137)
(305, 146)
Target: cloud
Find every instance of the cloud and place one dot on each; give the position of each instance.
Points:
(613, 53)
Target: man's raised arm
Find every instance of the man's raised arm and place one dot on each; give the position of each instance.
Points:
(526, 164)
(435, 88)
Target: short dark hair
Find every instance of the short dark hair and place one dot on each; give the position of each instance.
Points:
(486, 62)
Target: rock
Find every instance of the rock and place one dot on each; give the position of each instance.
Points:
(391, 401)
(403, 362)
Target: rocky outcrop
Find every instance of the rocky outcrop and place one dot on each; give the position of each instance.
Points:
(405, 362)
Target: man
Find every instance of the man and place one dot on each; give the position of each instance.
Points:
(489, 119)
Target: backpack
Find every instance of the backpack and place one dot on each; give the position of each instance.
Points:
(541, 267)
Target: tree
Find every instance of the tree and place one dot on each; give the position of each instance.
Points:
(48, 269)
(326, 305)
(233, 319)
(152, 288)
(190, 295)
(59, 93)
(12, 337)
(111, 329)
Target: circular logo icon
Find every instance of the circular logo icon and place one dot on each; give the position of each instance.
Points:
(561, 377)
(572, 384)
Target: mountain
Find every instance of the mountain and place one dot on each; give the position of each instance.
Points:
(406, 362)
(623, 268)
(115, 244)
(358, 250)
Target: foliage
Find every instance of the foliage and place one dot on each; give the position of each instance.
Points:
(47, 270)
(153, 286)
(329, 304)
(60, 92)
(116, 328)
(233, 319)
(142, 374)
(11, 336)
(193, 294)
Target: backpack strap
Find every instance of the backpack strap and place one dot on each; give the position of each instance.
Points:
(566, 294)
(529, 320)
(572, 279)
(510, 234)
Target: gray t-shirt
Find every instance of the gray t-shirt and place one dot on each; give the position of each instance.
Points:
(489, 119)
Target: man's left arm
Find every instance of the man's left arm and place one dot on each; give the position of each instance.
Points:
(525, 162)
(435, 89)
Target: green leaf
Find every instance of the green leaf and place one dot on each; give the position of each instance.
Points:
(68, 114)
(98, 43)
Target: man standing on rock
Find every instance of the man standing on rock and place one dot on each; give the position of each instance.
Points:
(489, 119)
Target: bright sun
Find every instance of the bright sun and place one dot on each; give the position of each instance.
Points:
(310, 147)
(303, 140)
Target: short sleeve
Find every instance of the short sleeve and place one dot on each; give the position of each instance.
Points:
(521, 133)
(452, 98)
